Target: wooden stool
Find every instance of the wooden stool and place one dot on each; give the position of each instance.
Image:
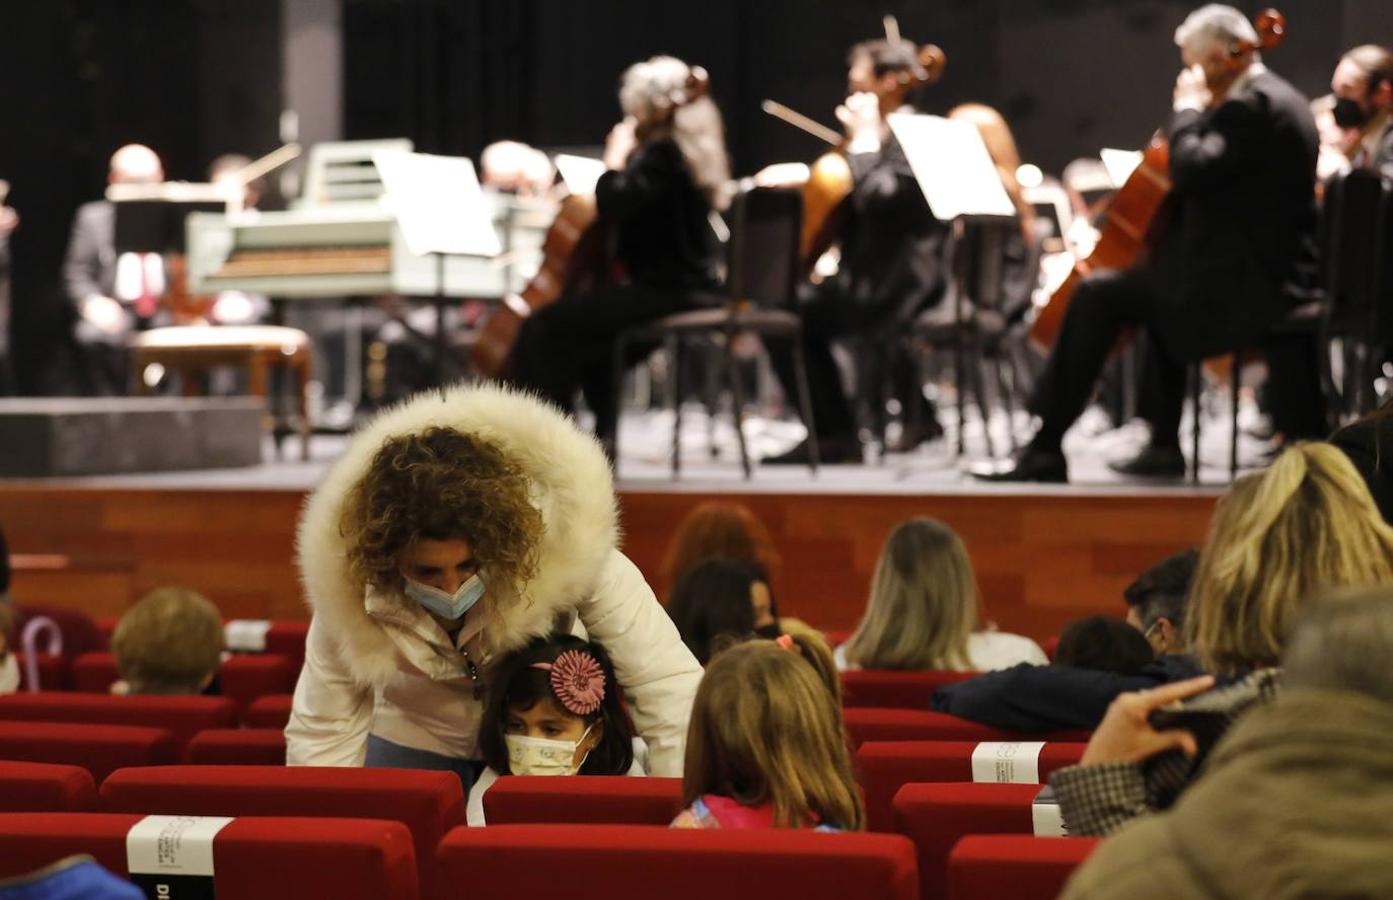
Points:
(192, 350)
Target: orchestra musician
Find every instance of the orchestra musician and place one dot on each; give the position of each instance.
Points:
(1362, 88)
(1242, 164)
(891, 266)
(667, 172)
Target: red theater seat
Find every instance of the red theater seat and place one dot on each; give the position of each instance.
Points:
(610, 862)
(95, 673)
(288, 639)
(54, 672)
(238, 747)
(45, 787)
(896, 690)
(249, 677)
(100, 749)
(253, 859)
(583, 800)
(885, 767)
(1022, 868)
(268, 712)
(875, 724)
(936, 816)
(427, 803)
(184, 716)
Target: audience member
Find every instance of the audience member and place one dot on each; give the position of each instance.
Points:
(713, 605)
(812, 645)
(924, 607)
(170, 642)
(766, 748)
(1305, 525)
(1103, 644)
(719, 529)
(9, 664)
(553, 708)
(1297, 800)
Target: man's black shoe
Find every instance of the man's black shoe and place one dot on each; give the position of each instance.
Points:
(1033, 465)
(1153, 462)
(914, 436)
(832, 450)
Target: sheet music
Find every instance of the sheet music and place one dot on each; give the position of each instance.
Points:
(170, 192)
(580, 173)
(952, 165)
(1120, 163)
(438, 203)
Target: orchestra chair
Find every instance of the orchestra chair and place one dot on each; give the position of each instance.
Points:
(100, 749)
(887, 766)
(896, 690)
(182, 716)
(619, 862)
(428, 804)
(268, 712)
(765, 230)
(193, 350)
(984, 867)
(582, 800)
(1356, 241)
(45, 787)
(238, 747)
(253, 858)
(864, 723)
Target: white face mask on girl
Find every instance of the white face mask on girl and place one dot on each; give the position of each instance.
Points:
(540, 756)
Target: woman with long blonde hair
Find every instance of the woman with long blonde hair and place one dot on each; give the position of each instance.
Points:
(924, 610)
(667, 175)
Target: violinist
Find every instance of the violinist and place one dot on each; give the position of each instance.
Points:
(1242, 166)
(1362, 87)
(667, 171)
(891, 266)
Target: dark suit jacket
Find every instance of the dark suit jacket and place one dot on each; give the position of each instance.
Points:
(1243, 201)
(1383, 157)
(1369, 445)
(90, 265)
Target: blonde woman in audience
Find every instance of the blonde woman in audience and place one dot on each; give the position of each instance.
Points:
(170, 642)
(765, 747)
(1279, 539)
(924, 610)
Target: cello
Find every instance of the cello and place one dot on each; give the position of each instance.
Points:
(575, 260)
(1136, 216)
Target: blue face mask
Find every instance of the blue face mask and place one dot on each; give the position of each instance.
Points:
(447, 606)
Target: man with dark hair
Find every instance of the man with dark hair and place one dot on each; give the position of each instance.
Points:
(891, 265)
(1046, 698)
(1363, 89)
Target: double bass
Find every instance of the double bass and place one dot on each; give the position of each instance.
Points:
(1135, 217)
(575, 260)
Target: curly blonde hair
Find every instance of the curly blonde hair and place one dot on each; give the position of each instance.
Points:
(442, 484)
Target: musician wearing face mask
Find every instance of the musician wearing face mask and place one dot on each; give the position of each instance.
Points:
(1242, 168)
(1362, 87)
(453, 531)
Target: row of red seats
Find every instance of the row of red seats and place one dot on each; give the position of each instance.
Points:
(243, 678)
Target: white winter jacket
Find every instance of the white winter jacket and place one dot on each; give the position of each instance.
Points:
(379, 664)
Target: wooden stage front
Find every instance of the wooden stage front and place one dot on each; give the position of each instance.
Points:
(1043, 555)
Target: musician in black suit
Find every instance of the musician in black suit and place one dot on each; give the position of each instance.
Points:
(1242, 163)
(1363, 90)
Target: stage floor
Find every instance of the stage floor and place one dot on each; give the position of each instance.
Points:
(1044, 553)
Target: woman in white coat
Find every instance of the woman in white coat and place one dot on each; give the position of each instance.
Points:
(456, 528)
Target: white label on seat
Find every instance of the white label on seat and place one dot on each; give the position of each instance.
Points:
(1007, 762)
(246, 635)
(1045, 817)
(173, 845)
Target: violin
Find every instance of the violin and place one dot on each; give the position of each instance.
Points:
(1135, 217)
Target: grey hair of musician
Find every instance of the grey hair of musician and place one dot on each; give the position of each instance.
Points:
(1215, 25)
(648, 90)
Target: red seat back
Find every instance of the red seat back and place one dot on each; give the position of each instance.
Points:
(100, 749)
(288, 639)
(183, 716)
(95, 673)
(247, 678)
(896, 690)
(428, 803)
(46, 787)
(238, 747)
(583, 799)
(985, 867)
(268, 712)
(677, 864)
(54, 672)
(875, 724)
(936, 816)
(887, 766)
(253, 859)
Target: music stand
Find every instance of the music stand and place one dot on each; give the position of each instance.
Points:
(150, 217)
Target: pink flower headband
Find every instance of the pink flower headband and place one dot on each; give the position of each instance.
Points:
(577, 680)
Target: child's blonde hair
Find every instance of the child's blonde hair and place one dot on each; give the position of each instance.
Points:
(170, 642)
(765, 730)
(813, 647)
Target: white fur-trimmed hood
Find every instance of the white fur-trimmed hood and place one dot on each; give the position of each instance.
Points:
(571, 483)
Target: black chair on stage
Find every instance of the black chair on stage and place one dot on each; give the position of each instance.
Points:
(763, 273)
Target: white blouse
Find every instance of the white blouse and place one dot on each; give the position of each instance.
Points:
(987, 651)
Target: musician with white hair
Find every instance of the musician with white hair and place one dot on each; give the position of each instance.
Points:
(1242, 167)
(667, 171)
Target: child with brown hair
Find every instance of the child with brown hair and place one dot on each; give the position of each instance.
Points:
(766, 748)
(170, 642)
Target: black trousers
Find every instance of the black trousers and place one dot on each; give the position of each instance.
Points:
(569, 345)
